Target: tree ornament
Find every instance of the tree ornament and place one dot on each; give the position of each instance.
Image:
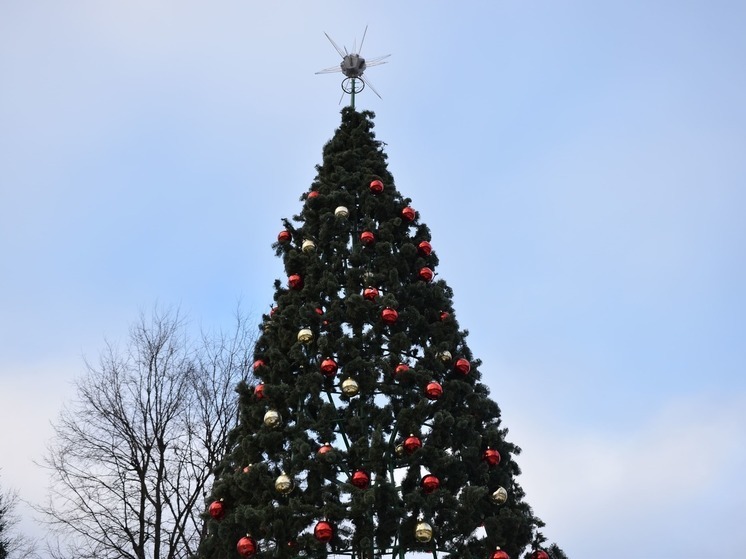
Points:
(323, 531)
(247, 469)
(272, 312)
(430, 483)
(341, 212)
(539, 554)
(313, 194)
(367, 238)
(329, 367)
(444, 315)
(400, 369)
(463, 366)
(324, 448)
(407, 214)
(259, 391)
(376, 186)
(259, 363)
(360, 479)
(272, 418)
(370, 293)
(305, 336)
(491, 456)
(389, 316)
(499, 496)
(308, 246)
(350, 387)
(284, 484)
(499, 554)
(412, 443)
(399, 450)
(433, 390)
(284, 237)
(216, 510)
(423, 532)
(445, 356)
(424, 248)
(425, 274)
(246, 546)
(295, 281)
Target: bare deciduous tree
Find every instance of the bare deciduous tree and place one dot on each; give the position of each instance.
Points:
(133, 456)
(13, 544)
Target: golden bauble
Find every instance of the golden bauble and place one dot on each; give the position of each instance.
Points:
(423, 532)
(350, 387)
(499, 496)
(341, 212)
(305, 336)
(445, 356)
(272, 418)
(283, 484)
(308, 246)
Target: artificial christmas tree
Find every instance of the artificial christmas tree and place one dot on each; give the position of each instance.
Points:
(383, 444)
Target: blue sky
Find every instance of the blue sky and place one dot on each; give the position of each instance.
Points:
(580, 165)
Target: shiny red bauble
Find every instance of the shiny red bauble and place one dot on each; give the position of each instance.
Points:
(400, 369)
(313, 194)
(444, 315)
(284, 236)
(246, 546)
(360, 479)
(329, 367)
(491, 456)
(323, 531)
(424, 248)
(408, 214)
(259, 391)
(433, 390)
(367, 238)
(463, 366)
(412, 443)
(259, 363)
(323, 449)
(389, 316)
(370, 293)
(426, 274)
(430, 483)
(539, 554)
(376, 186)
(216, 510)
(295, 281)
(272, 311)
(499, 554)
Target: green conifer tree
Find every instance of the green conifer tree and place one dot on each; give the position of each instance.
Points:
(371, 433)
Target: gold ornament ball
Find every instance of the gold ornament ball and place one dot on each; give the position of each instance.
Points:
(308, 246)
(305, 336)
(272, 418)
(350, 387)
(399, 450)
(341, 212)
(423, 532)
(445, 356)
(283, 484)
(499, 496)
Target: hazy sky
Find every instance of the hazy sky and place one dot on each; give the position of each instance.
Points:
(581, 165)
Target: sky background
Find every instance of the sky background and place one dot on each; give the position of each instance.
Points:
(581, 166)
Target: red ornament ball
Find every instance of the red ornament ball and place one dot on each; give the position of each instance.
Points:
(433, 390)
(272, 311)
(259, 363)
(444, 315)
(360, 479)
(216, 510)
(376, 186)
(259, 391)
(329, 367)
(313, 194)
(370, 293)
(539, 554)
(400, 369)
(463, 366)
(367, 238)
(430, 483)
(491, 456)
(323, 531)
(284, 236)
(246, 546)
(389, 316)
(295, 281)
(323, 449)
(408, 214)
(412, 443)
(426, 274)
(425, 248)
(499, 554)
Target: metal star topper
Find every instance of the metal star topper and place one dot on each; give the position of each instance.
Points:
(352, 66)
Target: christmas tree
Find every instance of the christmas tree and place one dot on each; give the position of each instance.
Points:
(370, 433)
